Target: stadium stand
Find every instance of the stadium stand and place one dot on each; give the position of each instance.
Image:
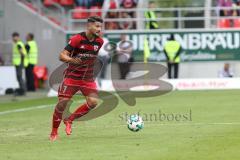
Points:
(67, 2)
(80, 12)
(230, 11)
(236, 23)
(50, 2)
(224, 23)
(72, 14)
(98, 11)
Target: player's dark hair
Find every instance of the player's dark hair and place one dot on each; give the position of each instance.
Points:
(31, 35)
(95, 19)
(15, 34)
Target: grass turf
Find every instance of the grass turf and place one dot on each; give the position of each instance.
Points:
(210, 131)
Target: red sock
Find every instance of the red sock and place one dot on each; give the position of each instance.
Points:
(57, 118)
(81, 111)
(54, 131)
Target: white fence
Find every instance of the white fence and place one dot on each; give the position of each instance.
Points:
(169, 17)
(206, 17)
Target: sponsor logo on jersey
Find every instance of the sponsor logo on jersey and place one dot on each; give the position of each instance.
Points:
(95, 47)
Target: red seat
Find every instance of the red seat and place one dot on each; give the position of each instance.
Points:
(98, 11)
(40, 76)
(236, 23)
(50, 2)
(224, 23)
(80, 13)
(112, 5)
(67, 2)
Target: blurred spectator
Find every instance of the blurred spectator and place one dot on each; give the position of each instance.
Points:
(96, 3)
(225, 3)
(233, 11)
(89, 3)
(129, 4)
(226, 72)
(124, 51)
(172, 50)
(111, 25)
(80, 2)
(104, 58)
(83, 3)
(128, 24)
(236, 3)
(110, 4)
(32, 52)
(150, 16)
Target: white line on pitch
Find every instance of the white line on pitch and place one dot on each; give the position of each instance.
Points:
(30, 108)
(37, 107)
(25, 109)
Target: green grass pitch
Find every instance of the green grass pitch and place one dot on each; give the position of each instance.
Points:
(207, 127)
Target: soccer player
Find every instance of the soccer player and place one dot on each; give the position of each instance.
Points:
(80, 54)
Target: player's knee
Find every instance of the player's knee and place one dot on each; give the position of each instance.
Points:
(62, 103)
(92, 102)
(64, 100)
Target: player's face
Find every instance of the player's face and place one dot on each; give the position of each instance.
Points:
(95, 28)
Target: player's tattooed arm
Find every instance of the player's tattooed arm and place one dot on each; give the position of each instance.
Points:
(65, 57)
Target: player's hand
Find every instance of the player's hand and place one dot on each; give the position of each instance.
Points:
(75, 61)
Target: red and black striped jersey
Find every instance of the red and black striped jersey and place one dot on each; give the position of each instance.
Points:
(79, 46)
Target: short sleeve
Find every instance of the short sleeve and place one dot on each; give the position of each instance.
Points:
(74, 41)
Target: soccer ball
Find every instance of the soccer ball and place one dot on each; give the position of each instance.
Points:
(135, 123)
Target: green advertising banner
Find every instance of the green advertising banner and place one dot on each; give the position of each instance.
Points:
(196, 45)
